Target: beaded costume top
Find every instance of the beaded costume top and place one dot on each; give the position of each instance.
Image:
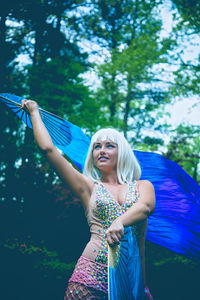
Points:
(91, 269)
(103, 210)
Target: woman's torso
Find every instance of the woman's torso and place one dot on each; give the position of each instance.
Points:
(103, 209)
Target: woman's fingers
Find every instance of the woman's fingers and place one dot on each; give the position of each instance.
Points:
(119, 234)
(115, 232)
(112, 241)
(109, 240)
(29, 105)
(23, 102)
(114, 237)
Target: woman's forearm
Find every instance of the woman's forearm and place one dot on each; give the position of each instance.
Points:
(81, 185)
(138, 212)
(143, 207)
(41, 134)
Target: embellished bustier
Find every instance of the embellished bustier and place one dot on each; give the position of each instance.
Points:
(103, 210)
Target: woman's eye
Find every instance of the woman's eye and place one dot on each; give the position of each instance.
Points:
(96, 146)
(110, 146)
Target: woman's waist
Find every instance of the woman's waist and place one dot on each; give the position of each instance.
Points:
(96, 249)
(97, 231)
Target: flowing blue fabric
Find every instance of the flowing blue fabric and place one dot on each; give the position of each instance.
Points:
(67, 137)
(175, 223)
(125, 278)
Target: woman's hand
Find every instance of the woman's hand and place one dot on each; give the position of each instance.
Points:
(29, 105)
(115, 232)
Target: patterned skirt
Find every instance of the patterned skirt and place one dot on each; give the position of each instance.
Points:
(88, 281)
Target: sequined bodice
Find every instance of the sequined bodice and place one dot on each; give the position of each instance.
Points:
(103, 210)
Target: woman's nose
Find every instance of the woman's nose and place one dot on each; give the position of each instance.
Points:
(102, 150)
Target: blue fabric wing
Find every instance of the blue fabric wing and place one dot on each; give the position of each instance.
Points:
(125, 272)
(14, 103)
(175, 223)
(67, 137)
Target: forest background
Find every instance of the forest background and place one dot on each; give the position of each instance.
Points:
(97, 63)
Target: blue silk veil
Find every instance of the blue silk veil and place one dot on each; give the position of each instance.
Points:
(124, 269)
(175, 223)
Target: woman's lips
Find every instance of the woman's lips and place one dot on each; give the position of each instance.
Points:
(102, 158)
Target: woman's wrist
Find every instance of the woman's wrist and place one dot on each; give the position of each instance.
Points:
(34, 113)
(119, 219)
(122, 219)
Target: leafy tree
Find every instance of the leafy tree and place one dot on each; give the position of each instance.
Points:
(186, 30)
(53, 77)
(190, 12)
(11, 79)
(129, 31)
(11, 40)
(132, 99)
(183, 149)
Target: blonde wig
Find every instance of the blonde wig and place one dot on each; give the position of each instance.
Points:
(128, 167)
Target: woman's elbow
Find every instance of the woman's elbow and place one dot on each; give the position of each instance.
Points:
(150, 209)
(147, 210)
(47, 149)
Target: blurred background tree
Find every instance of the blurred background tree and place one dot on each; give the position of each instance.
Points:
(188, 27)
(183, 149)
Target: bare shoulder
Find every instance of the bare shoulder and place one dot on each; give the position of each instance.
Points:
(145, 185)
(146, 194)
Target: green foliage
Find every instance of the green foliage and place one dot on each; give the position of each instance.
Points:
(190, 12)
(44, 260)
(112, 23)
(129, 99)
(161, 256)
(33, 271)
(62, 90)
(186, 76)
(183, 148)
(187, 79)
(169, 275)
(152, 143)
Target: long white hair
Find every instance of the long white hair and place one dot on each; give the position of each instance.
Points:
(128, 167)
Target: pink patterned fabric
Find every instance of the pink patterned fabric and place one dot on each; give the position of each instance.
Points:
(77, 291)
(91, 274)
(147, 294)
(88, 281)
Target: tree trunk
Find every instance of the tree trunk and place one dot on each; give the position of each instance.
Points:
(127, 106)
(3, 60)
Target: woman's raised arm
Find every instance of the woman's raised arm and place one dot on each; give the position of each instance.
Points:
(79, 183)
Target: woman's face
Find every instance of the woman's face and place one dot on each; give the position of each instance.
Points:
(105, 154)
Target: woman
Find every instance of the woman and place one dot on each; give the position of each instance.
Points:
(111, 197)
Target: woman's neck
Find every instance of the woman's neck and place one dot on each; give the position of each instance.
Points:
(110, 178)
